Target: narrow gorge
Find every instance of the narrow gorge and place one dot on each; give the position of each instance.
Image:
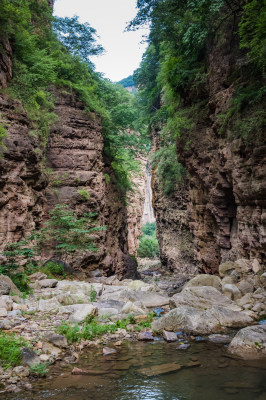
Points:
(133, 214)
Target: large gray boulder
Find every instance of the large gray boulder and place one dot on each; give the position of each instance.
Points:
(250, 342)
(7, 286)
(148, 299)
(202, 298)
(82, 311)
(198, 322)
(205, 280)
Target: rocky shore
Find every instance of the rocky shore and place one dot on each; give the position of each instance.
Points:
(228, 309)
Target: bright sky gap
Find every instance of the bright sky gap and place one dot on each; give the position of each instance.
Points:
(123, 50)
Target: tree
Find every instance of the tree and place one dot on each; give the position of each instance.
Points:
(79, 39)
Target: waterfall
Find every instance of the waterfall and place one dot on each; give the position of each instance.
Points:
(148, 213)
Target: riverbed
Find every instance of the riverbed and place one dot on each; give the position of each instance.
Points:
(206, 372)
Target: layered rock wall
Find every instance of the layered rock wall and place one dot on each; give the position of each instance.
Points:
(74, 173)
(227, 196)
(174, 238)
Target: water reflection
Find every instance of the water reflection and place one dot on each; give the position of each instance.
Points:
(118, 377)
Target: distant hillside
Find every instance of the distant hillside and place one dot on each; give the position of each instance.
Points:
(128, 84)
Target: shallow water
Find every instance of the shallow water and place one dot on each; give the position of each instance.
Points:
(218, 378)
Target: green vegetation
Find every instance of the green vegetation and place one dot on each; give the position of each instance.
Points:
(84, 194)
(92, 328)
(64, 232)
(39, 369)
(10, 349)
(3, 135)
(55, 52)
(148, 243)
(129, 81)
(172, 81)
(93, 294)
(52, 269)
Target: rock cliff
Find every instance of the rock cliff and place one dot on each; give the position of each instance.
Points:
(74, 172)
(227, 171)
(174, 237)
(224, 198)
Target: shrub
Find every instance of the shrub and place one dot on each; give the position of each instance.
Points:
(93, 294)
(148, 243)
(84, 194)
(52, 268)
(39, 369)
(10, 349)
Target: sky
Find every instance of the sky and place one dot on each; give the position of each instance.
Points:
(123, 50)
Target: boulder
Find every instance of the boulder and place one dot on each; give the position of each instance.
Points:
(205, 280)
(170, 336)
(226, 268)
(49, 305)
(191, 320)
(247, 299)
(240, 267)
(67, 299)
(8, 301)
(148, 299)
(47, 283)
(29, 357)
(202, 297)
(250, 342)
(7, 286)
(246, 286)
(82, 311)
(107, 312)
(3, 312)
(220, 339)
(232, 291)
(256, 267)
(57, 340)
(243, 266)
(263, 280)
(21, 372)
(37, 276)
(145, 336)
(77, 287)
(133, 308)
(49, 348)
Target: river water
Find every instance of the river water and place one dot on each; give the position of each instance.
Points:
(120, 376)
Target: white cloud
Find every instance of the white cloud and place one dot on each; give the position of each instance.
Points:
(109, 17)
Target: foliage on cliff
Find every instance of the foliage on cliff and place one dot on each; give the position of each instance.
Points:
(52, 51)
(173, 77)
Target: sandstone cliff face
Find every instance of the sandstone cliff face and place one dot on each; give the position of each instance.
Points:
(135, 206)
(227, 196)
(174, 238)
(21, 180)
(74, 163)
(5, 63)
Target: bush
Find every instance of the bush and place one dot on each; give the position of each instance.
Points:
(148, 243)
(52, 268)
(10, 349)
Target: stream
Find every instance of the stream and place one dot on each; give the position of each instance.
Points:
(120, 376)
